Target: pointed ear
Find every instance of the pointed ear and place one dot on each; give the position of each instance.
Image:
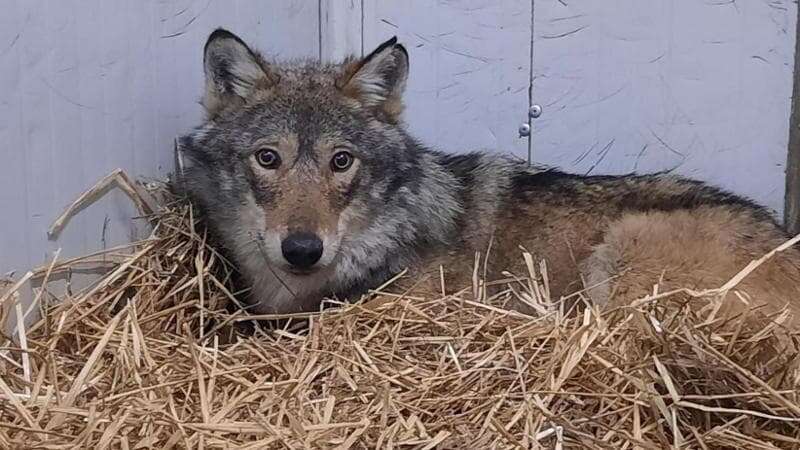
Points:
(378, 80)
(233, 71)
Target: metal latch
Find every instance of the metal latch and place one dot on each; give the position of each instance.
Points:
(534, 112)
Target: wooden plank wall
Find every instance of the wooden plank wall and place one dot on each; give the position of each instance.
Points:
(90, 85)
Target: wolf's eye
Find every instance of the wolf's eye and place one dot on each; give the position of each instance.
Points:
(341, 161)
(268, 158)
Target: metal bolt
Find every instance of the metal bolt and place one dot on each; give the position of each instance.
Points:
(524, 130)
(535, 111)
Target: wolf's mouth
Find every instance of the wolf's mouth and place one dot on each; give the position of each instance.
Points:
(301, 272)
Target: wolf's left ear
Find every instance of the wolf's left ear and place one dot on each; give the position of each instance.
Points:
(233, 71)
(378, 80)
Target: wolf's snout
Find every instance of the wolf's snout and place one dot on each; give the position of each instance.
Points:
(302, 249)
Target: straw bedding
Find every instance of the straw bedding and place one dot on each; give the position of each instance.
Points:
(157, 355)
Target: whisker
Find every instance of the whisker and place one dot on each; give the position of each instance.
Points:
(259, 240)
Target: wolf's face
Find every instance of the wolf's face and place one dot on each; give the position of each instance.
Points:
(297, 164)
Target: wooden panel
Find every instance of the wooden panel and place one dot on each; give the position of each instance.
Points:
(13, 189)
(90, 85)
(470, 69)
(701, 87)
(791, 213)
(340, 29)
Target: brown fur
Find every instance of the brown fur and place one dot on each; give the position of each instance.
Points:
(307, 196)
(618, 257)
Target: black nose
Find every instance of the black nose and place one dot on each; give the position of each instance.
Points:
(302, 249)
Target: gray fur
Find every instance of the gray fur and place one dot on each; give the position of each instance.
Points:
(405, 206)
(408, 202)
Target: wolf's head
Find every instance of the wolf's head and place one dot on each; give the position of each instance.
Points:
(305, 172)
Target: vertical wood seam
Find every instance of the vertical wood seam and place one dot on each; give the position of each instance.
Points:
(319, 30)
(530, 90)
(791, 210)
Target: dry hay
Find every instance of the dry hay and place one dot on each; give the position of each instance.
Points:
(149, 356)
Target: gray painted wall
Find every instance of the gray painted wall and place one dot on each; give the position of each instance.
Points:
(87, 86)
(701, 86)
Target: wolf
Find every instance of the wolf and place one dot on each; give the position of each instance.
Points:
(308, 176)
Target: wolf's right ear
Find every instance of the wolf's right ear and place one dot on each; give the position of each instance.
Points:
(378, 79)
(233, 71)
